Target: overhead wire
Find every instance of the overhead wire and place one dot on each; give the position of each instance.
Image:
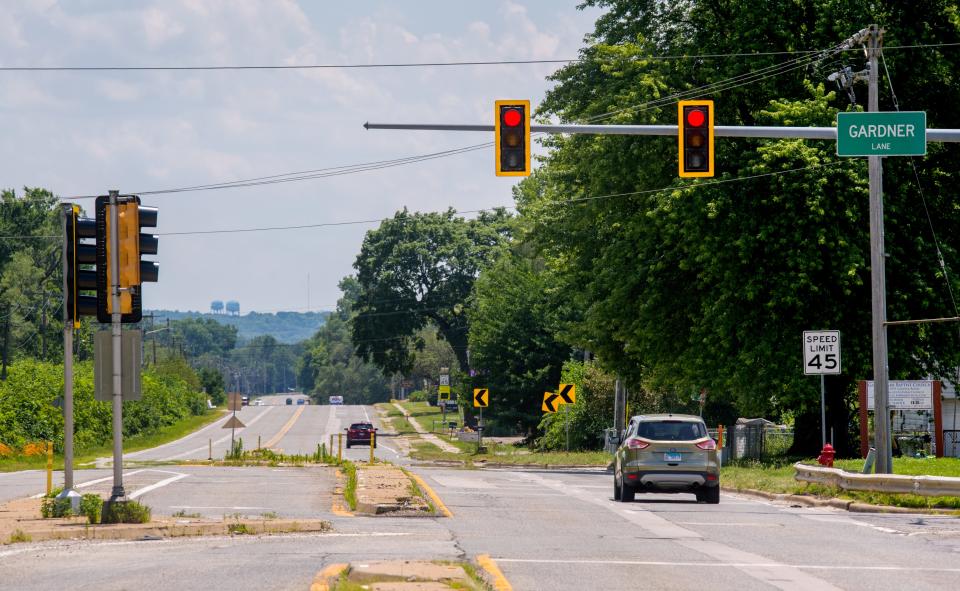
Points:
(462, 63)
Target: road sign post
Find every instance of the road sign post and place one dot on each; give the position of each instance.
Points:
(481, 399)
(821, 356)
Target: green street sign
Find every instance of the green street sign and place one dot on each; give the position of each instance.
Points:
(882, 134)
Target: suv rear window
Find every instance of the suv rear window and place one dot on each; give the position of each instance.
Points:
(361, 426)
(671, 430)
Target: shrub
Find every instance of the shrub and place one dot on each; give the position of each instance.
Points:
(91, 505)
(35, 449)
(125, 512)
(52, 507)
(418, 396)
(5, 450)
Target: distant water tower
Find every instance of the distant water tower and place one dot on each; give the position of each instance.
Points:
(233, 308)
(216, 306)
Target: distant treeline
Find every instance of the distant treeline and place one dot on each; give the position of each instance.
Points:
(286, 327)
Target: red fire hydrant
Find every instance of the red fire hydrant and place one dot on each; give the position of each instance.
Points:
(826, 456)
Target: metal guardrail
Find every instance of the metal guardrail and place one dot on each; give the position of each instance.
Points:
(928, 486)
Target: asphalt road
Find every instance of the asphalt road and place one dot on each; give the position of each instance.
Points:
(545, 530)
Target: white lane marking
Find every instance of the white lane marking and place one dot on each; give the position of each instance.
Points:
(366, 417)
(737, 565)
(212, 425)
(215, 507)
(92, 482)
(222, 439)
(730, 524)
(769, 571)
(157, 485)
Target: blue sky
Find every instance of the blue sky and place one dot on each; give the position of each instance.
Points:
(83, 133)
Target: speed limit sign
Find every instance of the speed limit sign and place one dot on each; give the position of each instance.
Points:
(821, 352)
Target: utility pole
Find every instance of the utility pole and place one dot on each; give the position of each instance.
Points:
(881, 414)
(117, 494)
(6, 343)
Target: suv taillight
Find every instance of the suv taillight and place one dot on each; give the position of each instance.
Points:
(708, 445)
(637, 444)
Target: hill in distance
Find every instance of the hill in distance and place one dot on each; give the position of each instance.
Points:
(286, 327)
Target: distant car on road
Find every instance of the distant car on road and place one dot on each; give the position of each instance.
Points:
(301, 401)
(360, 433)
(258, 402)
(336, 400)
(667, 453)
(245, 401)
(289, 400)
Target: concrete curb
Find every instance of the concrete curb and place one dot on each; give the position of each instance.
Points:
(843, 504)
(77, 530)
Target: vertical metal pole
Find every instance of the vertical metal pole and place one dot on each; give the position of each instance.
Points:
(480, 432)
(373, 444)
(339, 447)
(566, 424)
(114, 237)
(823, 414)
(67, 361)
(878, 279)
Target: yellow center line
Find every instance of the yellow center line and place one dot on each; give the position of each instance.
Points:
(500, 582)
(433, 496)
(320, 582)
(283, 431)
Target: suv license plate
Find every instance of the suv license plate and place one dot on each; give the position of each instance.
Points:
(672, 457)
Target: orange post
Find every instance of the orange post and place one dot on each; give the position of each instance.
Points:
(49, 467)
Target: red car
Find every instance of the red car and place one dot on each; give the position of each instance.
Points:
(361, 433)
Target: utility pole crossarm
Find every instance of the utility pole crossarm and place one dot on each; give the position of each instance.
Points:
(809, 133)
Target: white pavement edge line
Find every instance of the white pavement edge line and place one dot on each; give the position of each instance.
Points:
(766, 570)
(92, 482)
(222, 439)
(156, 485)
(730, 564)
(215, 423)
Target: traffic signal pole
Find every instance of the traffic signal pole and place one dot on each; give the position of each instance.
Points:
(114, 236)
(806, 133)
(68, 492)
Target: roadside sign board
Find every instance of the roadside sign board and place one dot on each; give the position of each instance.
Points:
(550, 402)
(481, 397)
(444, 380)
(234, 423)
(821, 352)
(444, 392)
(568, 393)
(130, 361)
(897, 133)
(905, 394)
(234, 401)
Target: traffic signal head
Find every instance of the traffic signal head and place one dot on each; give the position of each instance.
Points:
(78, 257)
(132, 245)
(696, 138)
(511, 132)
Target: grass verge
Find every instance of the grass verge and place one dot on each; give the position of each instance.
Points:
(130, 444)
(778, 477)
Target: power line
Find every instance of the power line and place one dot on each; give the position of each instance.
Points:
(688, 186)
(387, 65)
(719, 86)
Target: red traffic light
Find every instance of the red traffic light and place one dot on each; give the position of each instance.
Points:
(695, 117)
(512, 117)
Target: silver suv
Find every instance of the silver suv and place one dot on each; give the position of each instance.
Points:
(667, 453)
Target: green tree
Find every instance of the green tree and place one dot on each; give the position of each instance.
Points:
(515, 326)
(706, 284)
(418, 269)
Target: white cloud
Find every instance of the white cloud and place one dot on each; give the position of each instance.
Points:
(116, 90)
(159, 27)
